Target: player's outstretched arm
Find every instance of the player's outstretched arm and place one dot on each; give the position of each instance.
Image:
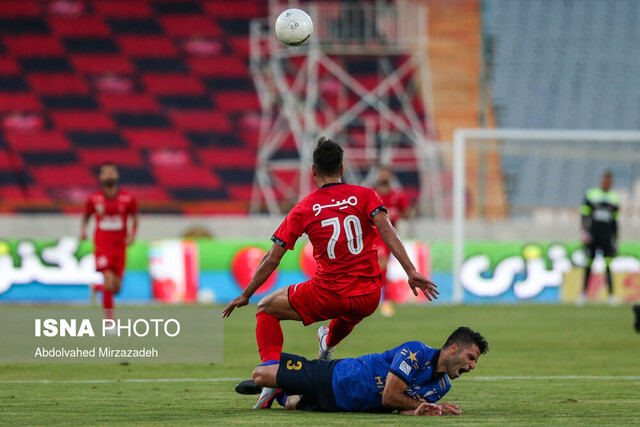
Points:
(131, 234)
(393, 397)
(392, 240)
(425, 409)
(83, 226)
(269, 263)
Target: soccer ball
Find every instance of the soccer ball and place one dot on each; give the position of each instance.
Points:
(294, 27)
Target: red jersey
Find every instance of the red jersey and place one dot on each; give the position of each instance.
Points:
(396, 203)
(111, 218)
(338, 218)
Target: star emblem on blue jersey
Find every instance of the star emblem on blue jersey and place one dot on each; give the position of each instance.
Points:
(412, 356)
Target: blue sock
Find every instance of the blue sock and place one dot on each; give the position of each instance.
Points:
(269, 363)
(281, 398)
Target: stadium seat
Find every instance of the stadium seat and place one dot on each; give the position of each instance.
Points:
(128, 82)
(123, 9)
(155, 138)
(34, 45)
(101, 63)
(122, 157)
(134, 102)
(198, 177)
(147, 46)
(87, 25)
(57, 84)
(19, 8)
(62, 176)
(82, 120)
(38, 141)
(19, 101)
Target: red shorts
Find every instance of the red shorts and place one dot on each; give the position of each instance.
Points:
(110, 260)
(315, 304)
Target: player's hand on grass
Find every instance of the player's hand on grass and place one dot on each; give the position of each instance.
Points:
(130, 239)
(418, 281)
(428, 409)
(83, 235)
(450, 409)
(585, 237)
(241, 301)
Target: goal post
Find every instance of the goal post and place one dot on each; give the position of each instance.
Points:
(539, 178)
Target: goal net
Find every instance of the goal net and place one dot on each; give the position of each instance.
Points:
(527, 185)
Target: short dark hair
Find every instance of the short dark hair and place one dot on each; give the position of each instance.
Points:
(464, 337)
(108, 165)
(608, 173)
(327, 157)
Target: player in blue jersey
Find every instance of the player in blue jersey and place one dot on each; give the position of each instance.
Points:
(409, 379)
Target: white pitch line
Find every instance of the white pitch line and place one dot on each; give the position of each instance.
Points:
(558, 377)
(125, 380)
(215, 380)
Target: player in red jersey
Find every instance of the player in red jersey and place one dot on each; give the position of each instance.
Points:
(340, 221)
(112, 207)
(397, 206)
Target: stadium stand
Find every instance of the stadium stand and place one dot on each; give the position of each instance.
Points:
(574, 64)
(162, 88)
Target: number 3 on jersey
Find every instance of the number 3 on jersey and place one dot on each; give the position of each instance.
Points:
(353, 230)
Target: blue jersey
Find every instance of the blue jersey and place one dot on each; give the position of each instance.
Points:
(358, 383)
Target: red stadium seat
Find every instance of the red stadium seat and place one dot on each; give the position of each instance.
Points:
(235, 9)
(240, 191)
(123, 9)
(34, 45)
(237, 101)
(85, 25)
(148, 193)
(58, 84)
(201, 121)
(160, 84)
(121, 157)
(9, 160)
(19, 102)
(18, 8)
(101, 63)
(63, 176)
(155, 138)
(141, 46)
(130, 82)
(224, 66)
(197, 177)
(13, 193)
(190, 25)
(228, 157)
(8, 65)
(130, 102)
(38, 141)
(240, 46)
(82, 120)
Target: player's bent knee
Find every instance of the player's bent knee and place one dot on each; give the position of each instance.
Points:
(263, 304)
(117, 285)
(259, 376)
(292, 402)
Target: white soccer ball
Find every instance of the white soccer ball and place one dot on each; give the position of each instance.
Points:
(294, 27)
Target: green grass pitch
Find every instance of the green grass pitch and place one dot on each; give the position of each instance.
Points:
(558, 351)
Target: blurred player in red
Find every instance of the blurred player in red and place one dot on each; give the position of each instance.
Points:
(112, 207)
(397, 206)
(340, 220)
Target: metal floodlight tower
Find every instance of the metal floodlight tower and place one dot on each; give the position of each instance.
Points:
(382, 121)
